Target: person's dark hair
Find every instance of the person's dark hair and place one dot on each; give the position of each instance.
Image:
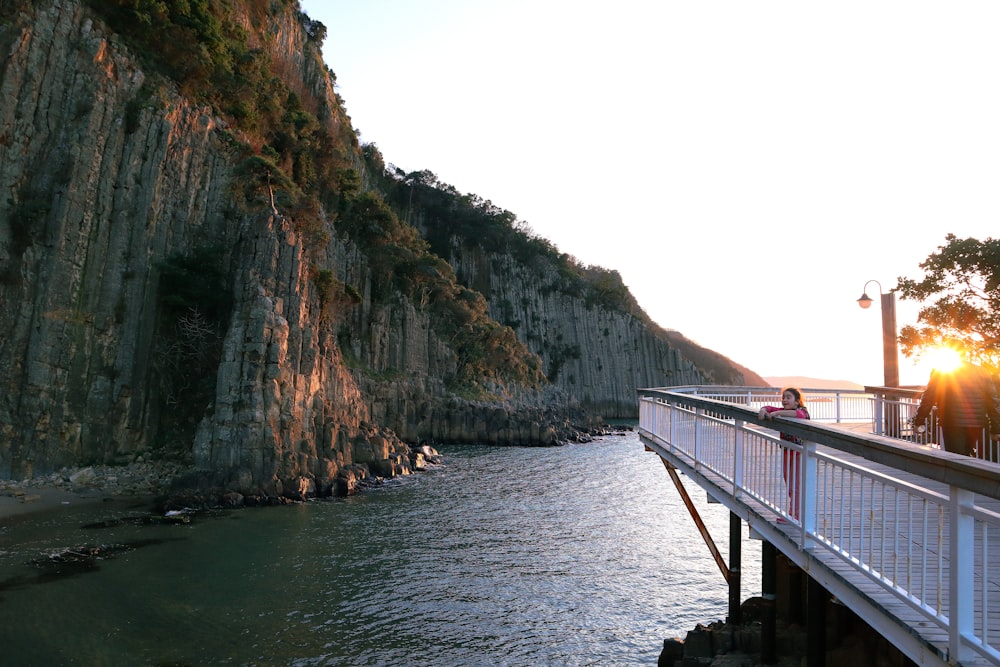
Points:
(794, 391)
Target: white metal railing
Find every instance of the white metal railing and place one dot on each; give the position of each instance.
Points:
(924, 534)
(847, 405)
(890, 411)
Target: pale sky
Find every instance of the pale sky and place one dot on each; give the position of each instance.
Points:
(745, 166)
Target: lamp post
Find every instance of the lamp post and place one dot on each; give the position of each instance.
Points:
(890, 358)
(890, 350)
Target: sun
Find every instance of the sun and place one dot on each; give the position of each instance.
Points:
(944, 359)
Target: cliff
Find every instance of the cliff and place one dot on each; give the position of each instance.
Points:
(194, 266)
(595, 341)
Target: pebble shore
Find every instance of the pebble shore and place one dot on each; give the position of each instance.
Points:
(142, 479)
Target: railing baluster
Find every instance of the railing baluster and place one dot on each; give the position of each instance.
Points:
(895, 535)
(984, 585)
(961, 554)
(862, 523)
(909, 543)
(807, 493)
(738, 458)
(940, 563)
(925, 509)
(843, 513)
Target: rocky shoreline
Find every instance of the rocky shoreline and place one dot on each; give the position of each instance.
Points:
(73, 486)
(136, 479)
(172, 485)
(166, 486)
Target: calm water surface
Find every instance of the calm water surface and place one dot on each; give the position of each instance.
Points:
(577, 555)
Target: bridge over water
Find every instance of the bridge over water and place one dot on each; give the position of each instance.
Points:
(903, 533)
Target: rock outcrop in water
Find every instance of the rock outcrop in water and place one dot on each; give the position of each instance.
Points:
(176, 284)
(848, 639)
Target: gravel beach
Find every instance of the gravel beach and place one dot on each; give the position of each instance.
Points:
(72, 487)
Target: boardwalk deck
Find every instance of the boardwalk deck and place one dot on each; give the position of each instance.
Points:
(891, 566)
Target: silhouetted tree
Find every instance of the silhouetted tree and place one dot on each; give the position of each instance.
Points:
(964, 278)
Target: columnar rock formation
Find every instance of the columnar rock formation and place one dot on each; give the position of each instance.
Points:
(96, 190)
(597, 354)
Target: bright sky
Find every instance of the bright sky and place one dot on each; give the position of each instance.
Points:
(746, 166)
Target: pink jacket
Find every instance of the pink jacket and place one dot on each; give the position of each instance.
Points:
(800, 413)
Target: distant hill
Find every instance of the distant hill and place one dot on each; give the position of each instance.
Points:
(811, 383)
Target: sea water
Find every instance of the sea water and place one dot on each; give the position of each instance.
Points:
(576, 555)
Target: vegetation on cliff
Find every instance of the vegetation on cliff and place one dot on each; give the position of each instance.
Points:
(195, 305)
(448, 216)
(201, 47)
(292, 163)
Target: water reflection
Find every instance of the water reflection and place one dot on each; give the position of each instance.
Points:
(571, 556)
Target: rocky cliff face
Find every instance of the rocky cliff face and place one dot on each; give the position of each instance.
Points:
(597, 354)
(104, 183)
(97, 190)
(596, 343)
(121, 195)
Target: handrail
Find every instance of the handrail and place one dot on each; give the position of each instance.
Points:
(849, 509)
(981, 477)
(891, 410)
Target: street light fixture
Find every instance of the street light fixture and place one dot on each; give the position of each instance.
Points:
(890, 351)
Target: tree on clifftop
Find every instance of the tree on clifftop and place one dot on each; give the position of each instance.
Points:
(964, 276)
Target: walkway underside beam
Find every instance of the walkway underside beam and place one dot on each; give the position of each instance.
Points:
(693, 511)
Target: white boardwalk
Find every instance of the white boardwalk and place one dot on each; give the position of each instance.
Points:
(907, 536)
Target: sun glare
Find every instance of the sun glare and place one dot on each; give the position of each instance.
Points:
(944, 359)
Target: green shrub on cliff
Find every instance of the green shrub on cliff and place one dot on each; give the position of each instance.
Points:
(334, 295)
(195, 304)
(401, 263)
(195, 44)
(203, 48)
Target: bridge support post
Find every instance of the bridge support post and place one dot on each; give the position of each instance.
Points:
(816, 597)
(769, 612)
(735, 558)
